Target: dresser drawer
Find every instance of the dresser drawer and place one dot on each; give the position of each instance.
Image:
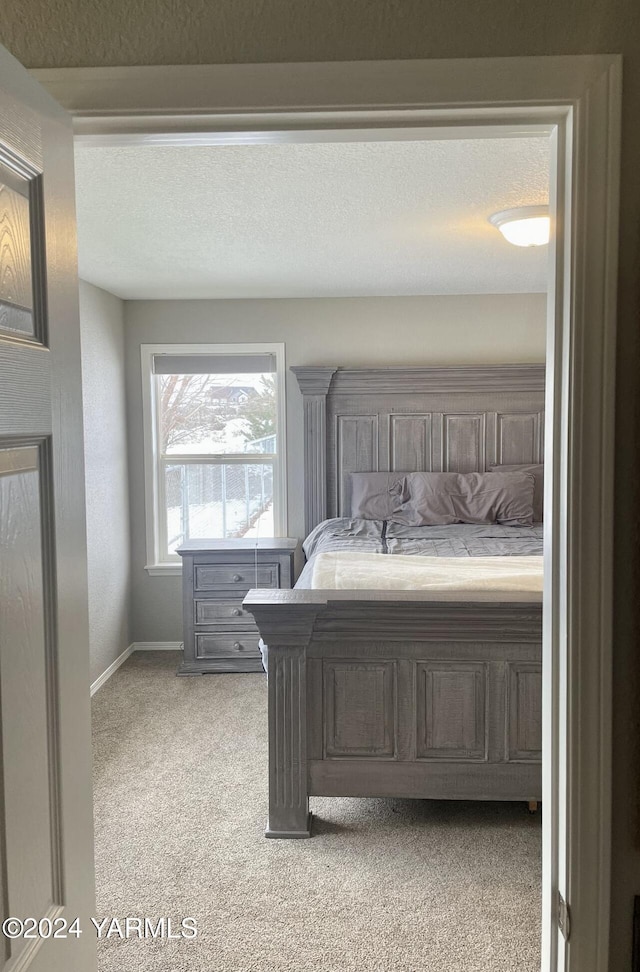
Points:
(224, 578)
(226, 645)
(208, 611)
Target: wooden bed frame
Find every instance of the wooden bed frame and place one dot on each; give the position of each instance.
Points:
(401, 693)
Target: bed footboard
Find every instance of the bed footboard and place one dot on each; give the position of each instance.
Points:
(399, 694)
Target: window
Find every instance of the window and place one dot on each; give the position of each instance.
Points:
(214, 444)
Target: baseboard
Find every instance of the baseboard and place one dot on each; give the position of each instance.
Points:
(113, 667)
(135, 646)
(156, 646)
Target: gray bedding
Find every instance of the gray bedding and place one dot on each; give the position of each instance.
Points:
(454, 540)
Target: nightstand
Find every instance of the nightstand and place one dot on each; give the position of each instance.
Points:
(219, 635)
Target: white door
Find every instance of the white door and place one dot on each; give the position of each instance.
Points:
(46, 829)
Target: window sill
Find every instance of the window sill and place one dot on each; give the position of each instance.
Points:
(164, 570)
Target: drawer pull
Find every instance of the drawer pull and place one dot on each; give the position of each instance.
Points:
(236, 612)
(236, 578)
(237, 646)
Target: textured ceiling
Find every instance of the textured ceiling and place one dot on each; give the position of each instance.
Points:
(308, 220)
(77, 33)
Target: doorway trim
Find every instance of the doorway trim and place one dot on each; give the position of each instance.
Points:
(578, 99)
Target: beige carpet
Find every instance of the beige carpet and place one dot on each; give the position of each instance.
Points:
(384, 886)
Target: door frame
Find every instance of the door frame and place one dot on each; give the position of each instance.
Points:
(578, 99)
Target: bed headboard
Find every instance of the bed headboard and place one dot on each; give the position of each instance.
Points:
(461, 419)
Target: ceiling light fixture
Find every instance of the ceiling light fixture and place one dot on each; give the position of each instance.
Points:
(525, 226)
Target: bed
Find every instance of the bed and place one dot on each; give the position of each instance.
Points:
(406, 662)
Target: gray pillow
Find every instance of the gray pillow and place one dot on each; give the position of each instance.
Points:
(441, 498)
(537, 471)
(377, 495)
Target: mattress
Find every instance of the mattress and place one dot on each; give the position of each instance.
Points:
(379, 554)
(346, 569)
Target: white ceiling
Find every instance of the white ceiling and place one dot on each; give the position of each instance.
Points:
(309, 220)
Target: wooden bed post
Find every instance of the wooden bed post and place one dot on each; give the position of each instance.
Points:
(314, 384)
(287, 633)
(288, 792)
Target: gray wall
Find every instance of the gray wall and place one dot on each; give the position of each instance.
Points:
(73, 33)
(106, 475)
(352, 331)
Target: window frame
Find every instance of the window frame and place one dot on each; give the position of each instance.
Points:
(153, 464)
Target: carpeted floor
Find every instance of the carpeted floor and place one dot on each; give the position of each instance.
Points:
(384, 886)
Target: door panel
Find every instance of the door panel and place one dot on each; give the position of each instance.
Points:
(46, 851)
(30, 771)
(16, 283)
